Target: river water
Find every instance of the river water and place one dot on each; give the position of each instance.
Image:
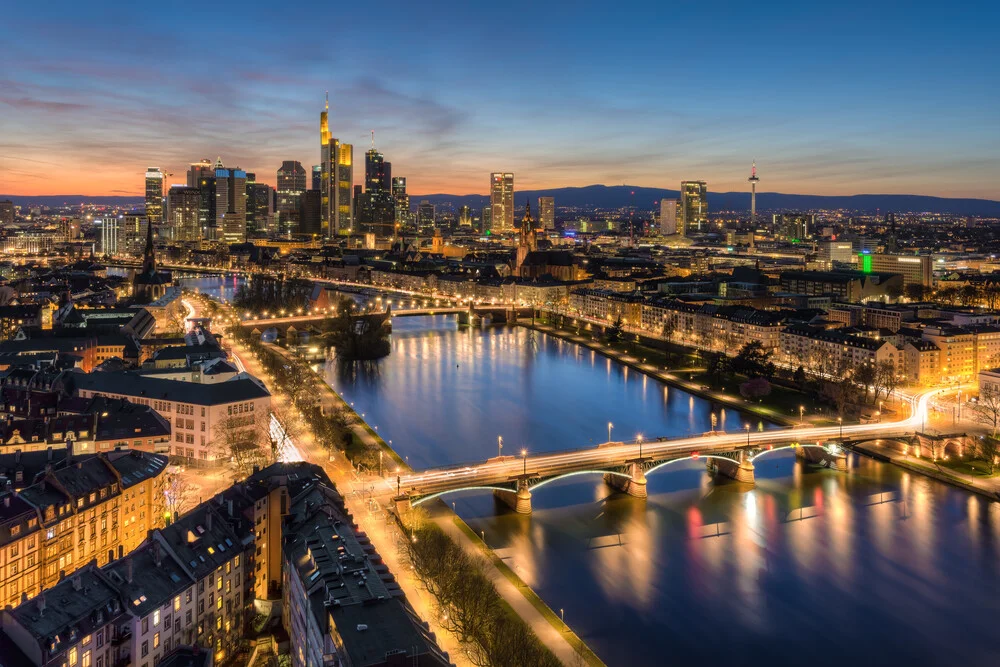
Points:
(811, 566)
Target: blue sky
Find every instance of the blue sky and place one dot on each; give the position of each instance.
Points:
(829, 98)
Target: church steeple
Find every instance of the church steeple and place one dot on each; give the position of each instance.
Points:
(148, 256)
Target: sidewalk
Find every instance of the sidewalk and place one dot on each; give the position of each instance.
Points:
(552, 638)
(989, 488)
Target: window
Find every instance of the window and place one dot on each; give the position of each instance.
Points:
(145, 626)
(72, 656)
(86, 659)
(156, 617)
(156, 640)
(177, 603)
(145, 649)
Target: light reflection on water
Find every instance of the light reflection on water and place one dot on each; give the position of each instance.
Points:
(875, 566)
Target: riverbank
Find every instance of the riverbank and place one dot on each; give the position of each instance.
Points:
(988, 488)
(667, 377)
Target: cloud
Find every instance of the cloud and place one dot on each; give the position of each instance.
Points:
(28, 103)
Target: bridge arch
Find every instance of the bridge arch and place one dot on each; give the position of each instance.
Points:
(783, 447)
(432, 496)
(903, 445)
(577, 473)
(664, 464)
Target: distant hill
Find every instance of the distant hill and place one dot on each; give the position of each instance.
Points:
(617, 196)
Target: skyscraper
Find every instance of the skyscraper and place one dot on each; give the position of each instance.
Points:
(694, 206)
(154, 195)
(230, 203)
(260, 214)
(375, 164)
(6, 212)
(668, 216)
(291, 185)
(753, 180)
(198, 171)
(401, 198)
(336, 180)
(317, 177)
(502, 202)
(547, 213)
(465, 217)
(182, 206)
(425, 215)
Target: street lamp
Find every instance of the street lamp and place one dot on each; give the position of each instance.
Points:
(610, 426)
(840, 420)
(524, 455)
(639, 438)
(802, 410)
(499, 446)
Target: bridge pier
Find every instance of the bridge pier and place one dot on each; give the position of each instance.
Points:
(820, 456)
(519, 501)
(741, 470)
(634, 486)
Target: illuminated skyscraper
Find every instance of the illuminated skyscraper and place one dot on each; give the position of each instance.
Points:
(402, 199)
(317, 177)
(502, 202)
(230, 203)
(198, 171)
(182, 206)
(154, 195)
(425, 215)
(291, 185)
(547, 213)
(465, 217)
(694, 206)
(668, 216)
(337, 179)
(260, 206)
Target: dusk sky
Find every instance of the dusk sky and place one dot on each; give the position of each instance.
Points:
(830, 98)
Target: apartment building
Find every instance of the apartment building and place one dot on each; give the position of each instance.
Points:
(95, 508)
(825, 351)
(607, 305)
(965, 351)
(196, 411)
(713, 327)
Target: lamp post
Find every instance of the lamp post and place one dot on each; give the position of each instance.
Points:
(524, 456)
(499, 446)
(802, 411)
(715, 420)
(840, 421)
(639, 438)
(747, 427)
(610, 426)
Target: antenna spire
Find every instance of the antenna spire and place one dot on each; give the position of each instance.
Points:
(373, 139)
(328, 100)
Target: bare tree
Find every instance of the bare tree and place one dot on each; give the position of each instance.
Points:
(245, 441)
(178, 492)
(987, 410)
(988, 451)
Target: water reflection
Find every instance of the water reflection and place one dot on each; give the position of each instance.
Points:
(875, 566)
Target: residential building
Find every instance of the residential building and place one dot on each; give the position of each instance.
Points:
(828, 352)
(6, 213)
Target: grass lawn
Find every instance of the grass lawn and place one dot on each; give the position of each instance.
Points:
(968, 466)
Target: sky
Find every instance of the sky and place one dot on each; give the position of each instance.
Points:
(830, 98)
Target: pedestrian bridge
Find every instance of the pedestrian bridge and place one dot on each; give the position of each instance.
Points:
(626, 465)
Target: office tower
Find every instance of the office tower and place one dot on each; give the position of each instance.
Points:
(376, 210)
(502, 202)
(753, 180)
(317, 177)
(291, 185)
(375, 163)
(260, 214)
(198, 171)
(154, 195)
(668, 216)
(547, 213)
(131, 235)
(182, 207)
(694, 206)
(230, 203)
(336, 180)
(465, 217)
(310, 217)
(425, 215)
(487, 219)
(6, 212)
(109, 234)
(793, 227)
(915, 269)
(401, 198)
(387, 176)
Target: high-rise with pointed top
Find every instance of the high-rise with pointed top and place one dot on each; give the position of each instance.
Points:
(337, 180)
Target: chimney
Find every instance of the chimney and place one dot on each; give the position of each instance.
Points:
(77, 583)
(41, 604)
(128, 571)
(157, 558)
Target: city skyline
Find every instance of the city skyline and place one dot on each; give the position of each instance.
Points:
(827, 104)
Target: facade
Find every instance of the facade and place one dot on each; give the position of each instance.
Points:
(402, 199)
(182, 213)
(291, 185)
(501, 202)
(694, 207)
(96, 508)
(915, 269)
(711, 327)
(231, 203)
(197, 412)
(154, 195)
(793, 227)
(547, 213)
(425, 215)
(965, 351)
(827, 352)
(850, 286)
(668, 217)
(337, 181)
(260, 207)
(831, 251)
(6, 212)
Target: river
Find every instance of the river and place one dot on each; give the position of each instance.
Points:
(873, 566)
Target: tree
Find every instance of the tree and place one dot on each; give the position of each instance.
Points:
(886, 379)
(800, 377)
(614, 333)
(947, 295)
(357, 336)
(987, 409)
(991, 295)
(864, 377)
(755, 389)
(968, 295)
(915, 292)
(245, 441)
(717, 365)
(176, 494)
(988, 451)
(894, 292)
(753, 361)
